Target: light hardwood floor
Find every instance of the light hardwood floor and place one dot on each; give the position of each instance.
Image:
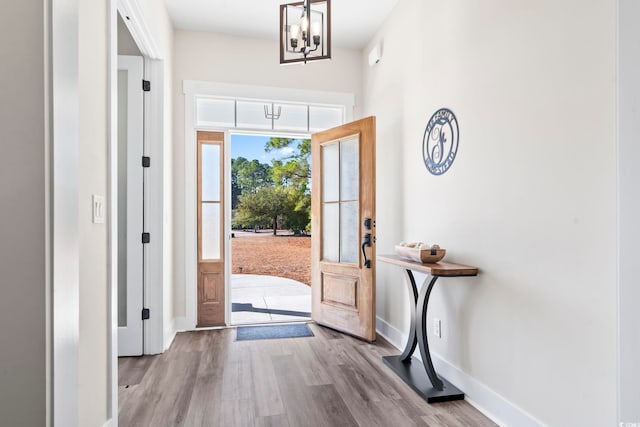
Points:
(207, 378)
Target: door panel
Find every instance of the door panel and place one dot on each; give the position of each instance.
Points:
(211, 281)
(340, 291)
(343, 197)
(130, 206)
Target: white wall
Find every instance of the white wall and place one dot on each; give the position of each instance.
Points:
(530, 198)
(629, 209)
(227, 59)
(22, 215)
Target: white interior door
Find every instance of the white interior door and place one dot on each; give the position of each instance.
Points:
(130, 205)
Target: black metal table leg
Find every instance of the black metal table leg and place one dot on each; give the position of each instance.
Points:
(423, 301)
(412, 340)
(421, 377)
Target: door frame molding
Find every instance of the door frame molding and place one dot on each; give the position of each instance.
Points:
(192, 90)
(62, 281)
(154, 328)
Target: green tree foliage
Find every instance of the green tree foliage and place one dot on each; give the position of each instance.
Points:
(298, 213)
(264, 206)
(247, 176)
(293, 171)
(262, 194)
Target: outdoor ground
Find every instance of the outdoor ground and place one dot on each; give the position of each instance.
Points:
(263, 253)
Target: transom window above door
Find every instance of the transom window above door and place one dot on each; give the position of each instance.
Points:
(256, 114)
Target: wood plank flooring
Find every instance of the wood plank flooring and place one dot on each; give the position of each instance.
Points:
(207, 378)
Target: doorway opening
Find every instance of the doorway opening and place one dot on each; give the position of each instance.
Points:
(271, 223)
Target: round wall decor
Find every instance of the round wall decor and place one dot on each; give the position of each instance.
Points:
(440, 141)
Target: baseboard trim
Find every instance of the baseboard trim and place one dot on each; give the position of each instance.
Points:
(491, 404)
(170, 334)
(108, 423)
(181, 324)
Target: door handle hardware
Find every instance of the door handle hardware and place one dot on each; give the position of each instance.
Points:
(366, 242)
(367, 223)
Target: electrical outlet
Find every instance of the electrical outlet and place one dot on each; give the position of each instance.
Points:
(437, 328)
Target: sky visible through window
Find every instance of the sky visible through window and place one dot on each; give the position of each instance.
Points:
(252, 147)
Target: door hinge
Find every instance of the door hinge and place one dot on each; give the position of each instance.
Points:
(146, 314)
(146, 161)
(146, 237)
(146, 85)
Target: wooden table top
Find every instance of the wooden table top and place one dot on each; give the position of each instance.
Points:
(436, 269)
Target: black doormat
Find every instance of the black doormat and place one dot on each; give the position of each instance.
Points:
(245, 333)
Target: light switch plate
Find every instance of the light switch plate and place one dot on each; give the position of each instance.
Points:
(437, 328)
(98, 209)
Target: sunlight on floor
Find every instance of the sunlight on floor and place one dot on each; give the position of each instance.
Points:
(268, 299)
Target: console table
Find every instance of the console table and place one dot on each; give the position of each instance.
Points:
(421, 376)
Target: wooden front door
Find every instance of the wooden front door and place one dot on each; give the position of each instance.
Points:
(343, 228)
(211, 298)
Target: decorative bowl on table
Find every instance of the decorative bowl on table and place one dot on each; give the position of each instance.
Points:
(420, 252)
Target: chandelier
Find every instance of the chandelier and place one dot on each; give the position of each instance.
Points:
(305, 31)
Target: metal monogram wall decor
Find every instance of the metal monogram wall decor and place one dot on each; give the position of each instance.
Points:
(440, 141)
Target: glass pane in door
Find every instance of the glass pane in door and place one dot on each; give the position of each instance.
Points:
(349, 236)
(331, 232)
(123, 88)
(340, 201)
(210, 231)
(331, 173)
(210, 168)
(349, 169)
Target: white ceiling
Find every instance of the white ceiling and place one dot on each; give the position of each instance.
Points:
(354, 22)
